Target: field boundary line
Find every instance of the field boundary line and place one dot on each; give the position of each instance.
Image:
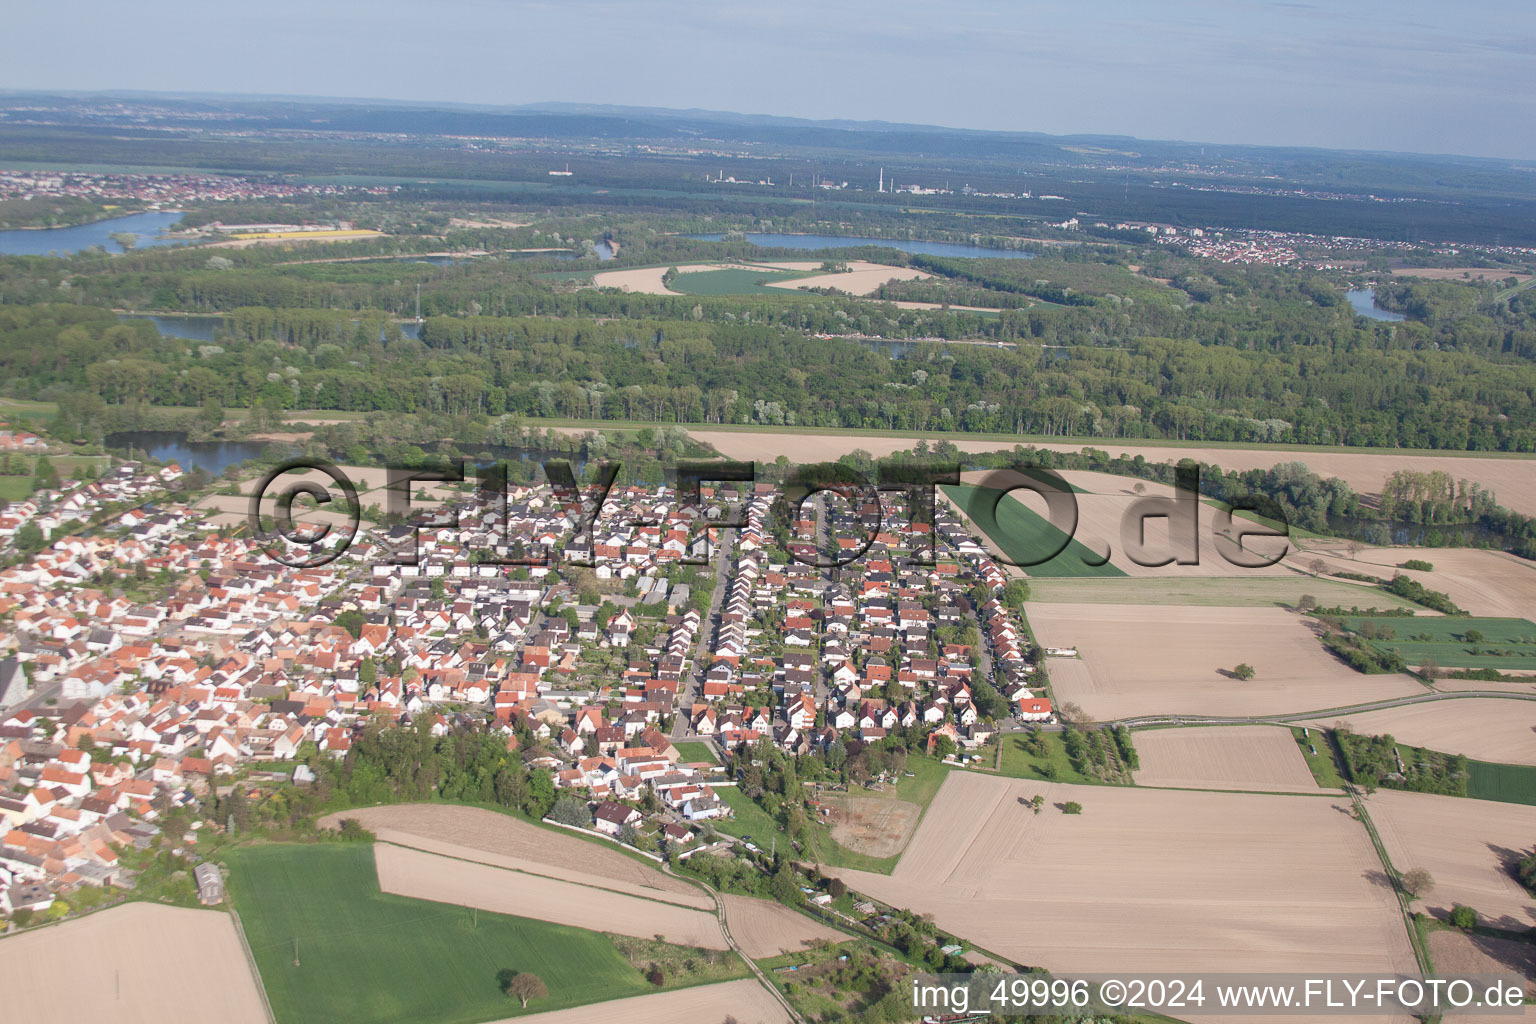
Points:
(250, 960)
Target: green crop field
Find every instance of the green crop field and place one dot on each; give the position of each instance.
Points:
(1024, 535)
(1505, 644)
(368, 955)
(733, 282)
(1510, 783)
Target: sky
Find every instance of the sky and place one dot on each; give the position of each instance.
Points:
(1425, 76)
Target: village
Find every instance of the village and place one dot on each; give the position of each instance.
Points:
(155, 657)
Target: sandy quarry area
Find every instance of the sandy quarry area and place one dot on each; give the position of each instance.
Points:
(861, 278)
(1148, 880)
(1482, 582)
(1258, 758)
(1484, 729)
(139, 962)
(1113, 517)
(1149, 659)
(504, 841)
(647, 280)
(764, 928)
(1466, 845)
(746, 1000)
(1512, 478)
(428, 876)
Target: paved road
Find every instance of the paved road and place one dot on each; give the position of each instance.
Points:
(694, 680)
(1301, 716)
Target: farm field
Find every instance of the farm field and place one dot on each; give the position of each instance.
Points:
(1455, 952)
(1266, 591)
(504, 841)
(1485, 729)
(368, 955)
(1141, 660)
(1510, 477)
(1461, 273)
(1509, 783)
(1491, 583)
(764, 928)
(429, 876)
(1508, 645)
(1466, 845)
(1105, 503)
(746, 1000)
(140, 963)
(862, 278)
(1228, 881)
(1246, 757)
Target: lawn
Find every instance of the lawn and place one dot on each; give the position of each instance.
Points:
(1510, 783)
(1324, 765)
(694, 751)
(15, 488)
(368, 955)
(1504, 644)
(1055, 766)
(750, 820)
(1025, 536)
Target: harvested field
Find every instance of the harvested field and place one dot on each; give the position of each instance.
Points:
(1456, 952)
(1492, 583)
(138, 962)
(428, 876)
(647, 280)
(746, 1000)
(764, 928)
(1466, 845)
(1108, 508)
(504, 841)
(862, 278)
(1484, 729)
(1143, 659)
(1511, 477)
(871, 826)
(1226, 591)
(1250, 757)
(1225, 881)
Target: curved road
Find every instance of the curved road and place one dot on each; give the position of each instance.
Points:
(1301, 716)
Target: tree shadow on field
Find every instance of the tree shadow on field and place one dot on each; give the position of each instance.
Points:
(1378, 877)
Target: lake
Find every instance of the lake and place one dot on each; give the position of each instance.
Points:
(212, 457)
(47, 241)
(847, 241)
(192, 328)
(1364, 302)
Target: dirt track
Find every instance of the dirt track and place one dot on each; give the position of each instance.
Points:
(140, 962)
(1249, 757)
